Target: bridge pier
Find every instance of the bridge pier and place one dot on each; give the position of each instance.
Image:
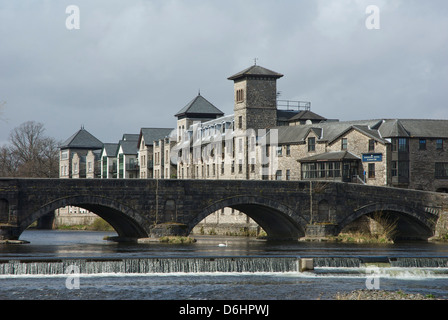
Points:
(9, 232)
(168, 229)
(319, 231)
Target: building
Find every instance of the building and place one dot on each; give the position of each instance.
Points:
(79, 156)
(274, 139)
(267, 138)
(146, 153)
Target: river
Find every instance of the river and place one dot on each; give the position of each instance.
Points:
(324, 282)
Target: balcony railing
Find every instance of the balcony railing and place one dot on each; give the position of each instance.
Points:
(294, 105)
(132, 167)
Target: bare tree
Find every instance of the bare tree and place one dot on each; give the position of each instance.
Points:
(31, 153)
(2, 107)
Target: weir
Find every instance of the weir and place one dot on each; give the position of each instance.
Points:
(249, 264)
(149, 265)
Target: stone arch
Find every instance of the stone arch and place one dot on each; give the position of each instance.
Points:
(4, 211)
(127, 222)
(279, 221)
(411, 224)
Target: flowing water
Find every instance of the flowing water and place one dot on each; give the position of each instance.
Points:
(81, 265)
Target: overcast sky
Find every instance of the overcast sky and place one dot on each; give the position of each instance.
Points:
(134, 64)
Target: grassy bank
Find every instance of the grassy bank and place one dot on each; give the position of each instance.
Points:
(98, 225)
(357, 237)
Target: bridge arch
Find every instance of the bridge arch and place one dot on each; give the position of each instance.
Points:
(412, 223)
(127, 222)
(279, 221)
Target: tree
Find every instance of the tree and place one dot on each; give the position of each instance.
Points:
(31, 153)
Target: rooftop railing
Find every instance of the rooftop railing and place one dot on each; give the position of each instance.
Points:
(294, 105)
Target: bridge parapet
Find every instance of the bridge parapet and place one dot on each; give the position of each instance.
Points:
(285, 209)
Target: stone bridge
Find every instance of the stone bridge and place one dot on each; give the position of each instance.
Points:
(138, 208)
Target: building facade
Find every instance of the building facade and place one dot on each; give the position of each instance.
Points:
(268, 139)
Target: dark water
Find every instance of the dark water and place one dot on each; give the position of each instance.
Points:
(322, 283)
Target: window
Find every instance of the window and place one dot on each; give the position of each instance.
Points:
(311, 144)
(240, 166)
(394, 169)
(422, 144)
(344, 144)
(400, 144)
(279, 151)
(64, 155)
(371, 171)
(252, 165)
(439, 144)
(288, 150)
(403, 169)
(278, 175)
(321, 170)
(403, 145)
(232, 168)
(239, 95)
(240, 122)
(288, 174)
(222, 167)
(441, 170)
(371, 145)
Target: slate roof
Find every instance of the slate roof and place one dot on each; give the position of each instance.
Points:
(256, 71)
(128, 146)
(331, 156)
(82, 139)
(200, 105)
(307, 115)
(153, 134)
(111, 149)
(379, 130)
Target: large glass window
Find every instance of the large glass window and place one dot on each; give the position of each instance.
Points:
(321, 170)
(403, 144)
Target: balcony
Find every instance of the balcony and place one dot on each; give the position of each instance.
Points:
(132, 167)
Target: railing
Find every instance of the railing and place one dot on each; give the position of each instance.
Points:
(132, 167)
(294, 105)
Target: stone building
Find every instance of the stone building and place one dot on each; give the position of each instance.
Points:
(146, 154)
(79, 158)
(274, 139)
(267, 138)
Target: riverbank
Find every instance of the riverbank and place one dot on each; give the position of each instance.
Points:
(382, 295)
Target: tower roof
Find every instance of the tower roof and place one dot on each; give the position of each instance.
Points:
(199, 105)
(82, 139)
(256, 71)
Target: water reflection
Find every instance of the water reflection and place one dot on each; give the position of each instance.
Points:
(58, 243)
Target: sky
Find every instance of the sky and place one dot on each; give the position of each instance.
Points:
(135, 63)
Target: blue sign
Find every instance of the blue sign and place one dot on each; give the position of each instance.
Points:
(372, 157)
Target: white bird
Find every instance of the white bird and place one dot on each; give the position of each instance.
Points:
(222, 244)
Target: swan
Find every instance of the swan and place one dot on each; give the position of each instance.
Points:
(222, 244)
